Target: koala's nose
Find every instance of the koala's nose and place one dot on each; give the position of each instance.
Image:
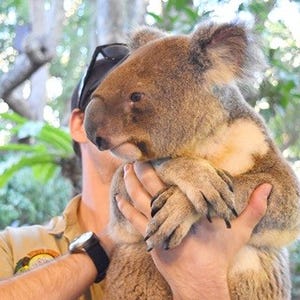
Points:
(101, 143)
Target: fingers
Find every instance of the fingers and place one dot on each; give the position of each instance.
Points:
(148, 177)
(140, 197)
(138, 220)
(256, 208)
(142, 184)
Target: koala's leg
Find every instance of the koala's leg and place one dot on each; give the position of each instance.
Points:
(259, 275)
(281, 224)
(133, 275)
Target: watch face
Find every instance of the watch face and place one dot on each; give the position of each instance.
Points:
(80, 241)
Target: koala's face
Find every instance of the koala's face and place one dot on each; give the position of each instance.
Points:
(138, 110)
(159, 101)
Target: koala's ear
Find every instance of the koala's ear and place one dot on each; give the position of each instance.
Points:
(226, 51)
(143, 35)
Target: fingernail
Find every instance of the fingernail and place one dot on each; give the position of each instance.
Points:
(127, 167)
(266, 190)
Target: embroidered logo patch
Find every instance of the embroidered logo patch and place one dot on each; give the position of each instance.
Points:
(35, 258)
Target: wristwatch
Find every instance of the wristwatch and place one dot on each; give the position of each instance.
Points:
(89, 243)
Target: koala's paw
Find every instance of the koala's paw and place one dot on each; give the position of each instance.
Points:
(212, 195)
(172, 217)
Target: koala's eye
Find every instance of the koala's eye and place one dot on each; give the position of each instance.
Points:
(136, 96)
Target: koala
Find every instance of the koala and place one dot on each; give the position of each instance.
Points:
(179, 103)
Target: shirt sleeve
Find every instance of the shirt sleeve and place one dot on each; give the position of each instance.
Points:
(6, 257)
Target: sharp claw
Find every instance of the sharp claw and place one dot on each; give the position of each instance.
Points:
(166, 246)
(234, 212)
(228, 225)
(158, 194)
(149, 248)
(209, 207)
(154, 211)
(225, 174)
(208, 217)
(230, 186)
(146, 237)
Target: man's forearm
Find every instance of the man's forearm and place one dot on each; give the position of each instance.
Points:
(65, 278)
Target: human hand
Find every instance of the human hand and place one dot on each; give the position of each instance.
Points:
(198, 267)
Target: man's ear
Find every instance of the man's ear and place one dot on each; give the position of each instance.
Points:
(76, 125)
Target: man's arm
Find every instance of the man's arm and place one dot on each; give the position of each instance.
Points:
(64, 278)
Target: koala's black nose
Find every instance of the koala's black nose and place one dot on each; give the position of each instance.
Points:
(101, 143)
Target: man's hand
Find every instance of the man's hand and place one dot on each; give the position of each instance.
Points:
(197, 268)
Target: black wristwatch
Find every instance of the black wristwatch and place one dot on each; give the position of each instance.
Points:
(89, 243)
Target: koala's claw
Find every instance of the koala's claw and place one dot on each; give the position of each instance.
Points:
(228, 224)
(158, 194)
(234, 212)
(174, 215)
(159, 200)
(226, 178)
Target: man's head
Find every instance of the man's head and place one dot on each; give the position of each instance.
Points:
(110, 56)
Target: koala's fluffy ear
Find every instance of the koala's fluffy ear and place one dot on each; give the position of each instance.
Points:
(226, 52)
(143, 35)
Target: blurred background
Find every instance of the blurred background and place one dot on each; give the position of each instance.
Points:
(44, 48)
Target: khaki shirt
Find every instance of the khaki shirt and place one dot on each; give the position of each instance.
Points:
(23, 248)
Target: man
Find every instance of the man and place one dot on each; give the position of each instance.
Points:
(39, 255)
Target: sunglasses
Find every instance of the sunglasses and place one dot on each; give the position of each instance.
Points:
(112, 52)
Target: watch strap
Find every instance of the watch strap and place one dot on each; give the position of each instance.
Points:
(99, 258)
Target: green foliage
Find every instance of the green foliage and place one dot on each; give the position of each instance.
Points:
(72, 56)
(178, 16)
(44, 148)
(25, 200)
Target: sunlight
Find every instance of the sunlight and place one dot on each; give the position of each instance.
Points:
(289, 13)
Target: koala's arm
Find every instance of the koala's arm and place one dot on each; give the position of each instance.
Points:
(281, 224)
(210, 191)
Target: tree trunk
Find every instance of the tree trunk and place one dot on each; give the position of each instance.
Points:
(116, 18)
(37, 98)
(38, 50)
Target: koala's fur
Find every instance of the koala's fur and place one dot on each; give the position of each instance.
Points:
(176, 101)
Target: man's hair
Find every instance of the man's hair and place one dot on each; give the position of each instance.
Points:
(100, 69)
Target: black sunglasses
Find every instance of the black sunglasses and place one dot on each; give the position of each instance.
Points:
(114, 52)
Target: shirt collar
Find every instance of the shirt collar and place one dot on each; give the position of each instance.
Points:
(67, 225)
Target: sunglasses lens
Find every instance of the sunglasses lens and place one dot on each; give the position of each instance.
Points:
(115, 51)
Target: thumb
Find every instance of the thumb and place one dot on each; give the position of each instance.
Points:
(256, 207)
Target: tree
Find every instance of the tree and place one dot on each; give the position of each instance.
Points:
(38, 49)
(39, 145)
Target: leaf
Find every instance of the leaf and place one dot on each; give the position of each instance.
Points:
(10, 167)
(192, 14)
(23, 148)
(44, 172)
(30, 128)
(156, 17)
(58, 139)
(13, 117)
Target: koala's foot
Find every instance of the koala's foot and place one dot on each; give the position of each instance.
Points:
(215, 189)
(172, 217)
(210, 190)
(202, 192)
